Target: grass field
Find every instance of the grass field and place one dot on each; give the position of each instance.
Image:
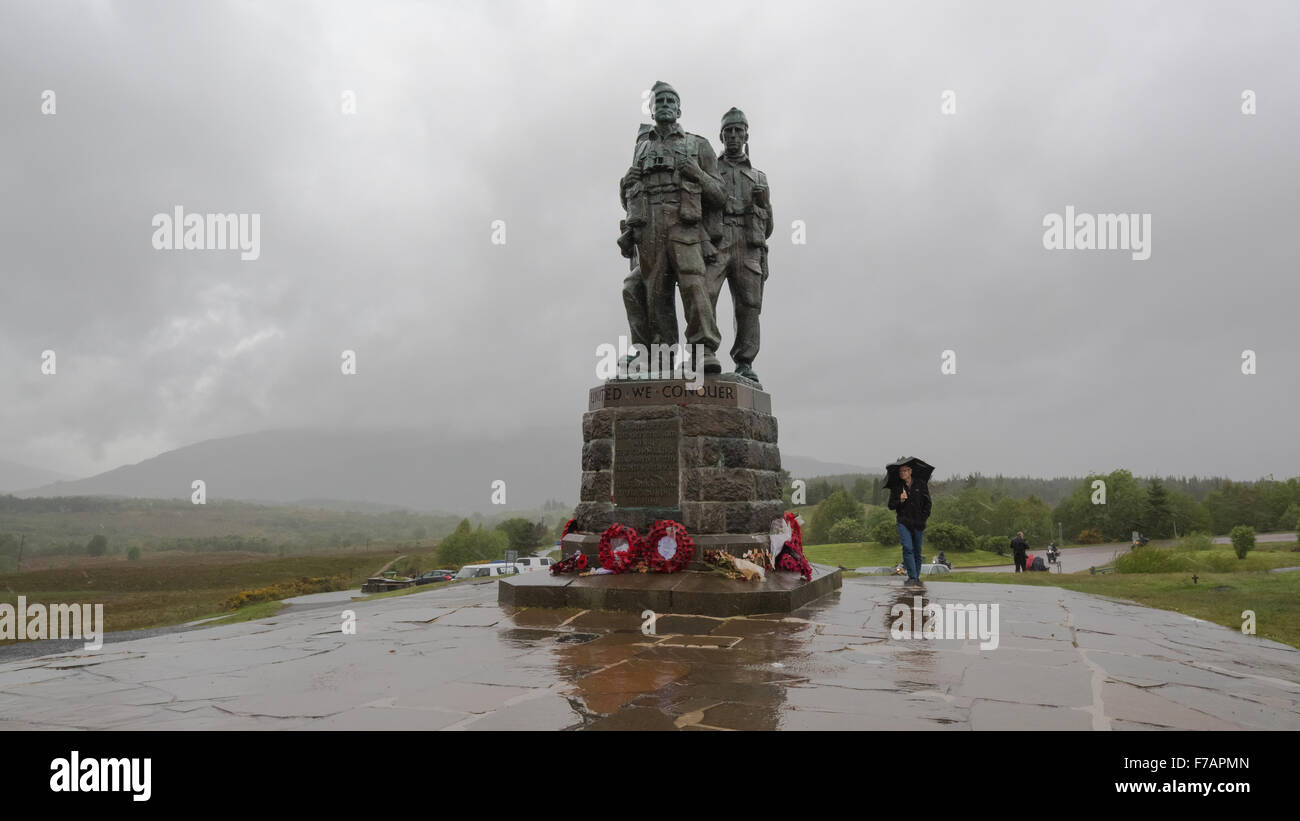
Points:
(54, 527)
(875, 555)
(174, 588)
(1214, 597)
(1162, 578)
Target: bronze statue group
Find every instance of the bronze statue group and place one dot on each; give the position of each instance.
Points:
(694, 220)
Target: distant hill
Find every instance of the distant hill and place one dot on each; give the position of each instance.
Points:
(14, 476)
(368, 471)
(416, 470)
(801, 467)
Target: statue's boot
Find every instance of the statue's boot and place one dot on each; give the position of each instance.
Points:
(710, 362)
(744, 369)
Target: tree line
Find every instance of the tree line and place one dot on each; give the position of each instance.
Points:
(1097, 508)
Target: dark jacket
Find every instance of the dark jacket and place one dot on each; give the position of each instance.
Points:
(1018, 545)
(914, 512)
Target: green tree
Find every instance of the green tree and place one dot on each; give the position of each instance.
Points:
(1186, 514)
(1231, 504)
(838, 505)
(1290, 518)
(458, 548)
(1124, 509)
(133, 554)
(862, 490)
(882, 526)
(521, 535)
(98, 545)
(819, 490)
(1158, 523)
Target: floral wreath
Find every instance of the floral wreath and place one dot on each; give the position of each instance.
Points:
(575, 563)
(621, 561)
(791, 557)
(685, 547)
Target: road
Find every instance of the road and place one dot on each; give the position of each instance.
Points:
(1074, 559)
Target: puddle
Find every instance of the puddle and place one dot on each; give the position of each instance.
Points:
(577, 638)
(526, 635)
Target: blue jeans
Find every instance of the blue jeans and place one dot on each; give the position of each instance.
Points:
(911, 541)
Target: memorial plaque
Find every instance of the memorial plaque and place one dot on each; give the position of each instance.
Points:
(645, 462)
(719, 391)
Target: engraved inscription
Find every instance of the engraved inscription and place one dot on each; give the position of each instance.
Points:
(630, 393)
(645, 463)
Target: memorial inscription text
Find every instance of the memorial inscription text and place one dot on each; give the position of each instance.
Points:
(645, 463)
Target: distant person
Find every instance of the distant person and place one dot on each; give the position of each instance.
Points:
(1018, 548)
(943, 560)
(911, 504)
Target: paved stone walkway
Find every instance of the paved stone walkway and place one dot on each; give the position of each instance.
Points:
(453, 659)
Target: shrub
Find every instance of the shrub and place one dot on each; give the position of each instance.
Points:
(993, 544)
(1243, 540)
(1153, 561)
(882, 527)
(1195, 541)
(98, 545)
(1219, 561)
(133, 554)
(287, 590)
(948, 536)
(849, 530)
(1089, 536)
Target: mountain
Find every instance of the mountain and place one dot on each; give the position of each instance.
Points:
(417, 470)
(801, 467)
(368, 470)
(14, 477)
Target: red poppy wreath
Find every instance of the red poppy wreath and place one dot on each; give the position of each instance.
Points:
(620, 548)
(669, 548)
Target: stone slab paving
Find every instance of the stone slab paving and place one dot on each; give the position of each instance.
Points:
(453, 659)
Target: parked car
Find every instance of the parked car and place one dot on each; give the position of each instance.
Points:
(529, 564)
(436, 576)
(478, 571)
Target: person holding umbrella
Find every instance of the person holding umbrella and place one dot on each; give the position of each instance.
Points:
(909, 498)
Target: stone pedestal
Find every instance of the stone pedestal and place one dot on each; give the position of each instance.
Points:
(704, 594)
(656, 449)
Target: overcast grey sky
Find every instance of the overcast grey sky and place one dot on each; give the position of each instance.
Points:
(924, 230)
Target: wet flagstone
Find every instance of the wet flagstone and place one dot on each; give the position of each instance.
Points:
(453, 659)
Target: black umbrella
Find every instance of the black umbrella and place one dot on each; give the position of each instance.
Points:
(921, 471)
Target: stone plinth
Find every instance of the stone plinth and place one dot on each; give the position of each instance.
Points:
(656, 449)
(705, 594)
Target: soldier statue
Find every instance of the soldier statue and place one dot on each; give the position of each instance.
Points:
(640, 318)
(742, 250)
(673, 196)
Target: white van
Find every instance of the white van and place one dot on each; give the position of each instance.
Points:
(479, 571)
(529, 564)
